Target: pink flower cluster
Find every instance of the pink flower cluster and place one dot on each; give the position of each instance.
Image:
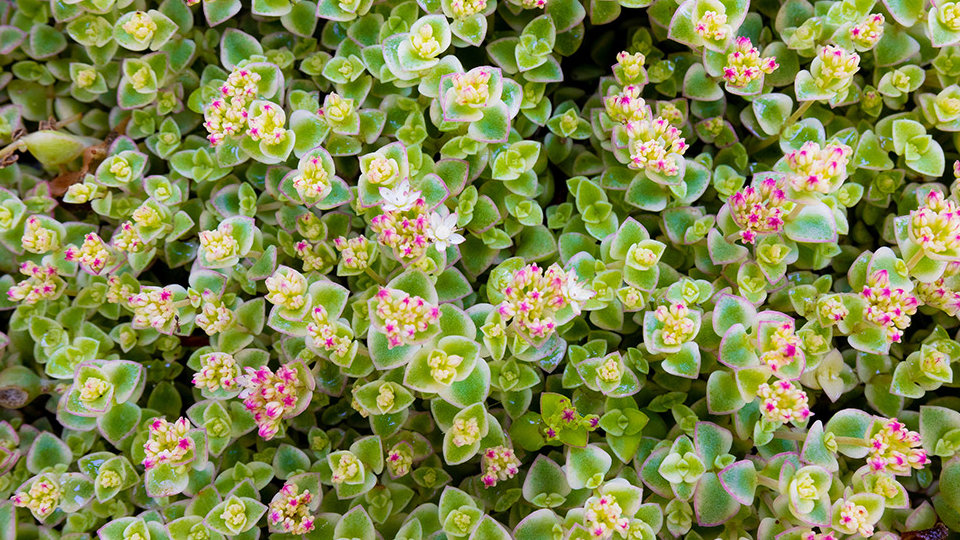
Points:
(744, 64)
(42, 282)
(819, 170)
(153, 306)
(499, 463)
(405, 230)
(655, 145)
(627, 105)
(888, 307)
(403, 316)
(786, 348)
(167, 442)
(217, 370)
(936, 224)
(92, 254)
(758, 209)
(604, 516)
(325, 333)
(939, 295)
(868, 32)
(532, 298)
(42, 497)
(270, 396)
(354, 252)
(227, 115)
(896, 449)
(290, 510)
(783, 402)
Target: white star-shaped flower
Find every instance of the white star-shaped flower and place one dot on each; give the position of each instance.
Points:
(443, 231)
(400, 198)
(575, 292)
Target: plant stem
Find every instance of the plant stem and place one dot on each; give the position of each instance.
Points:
(11, 148)
(797, 207)
(796, 115)
(852, 441)
(915, 259)
(375, 276)
(67, 121)
(768, 482)
(789, 122)
(18, 145)
(787, 435)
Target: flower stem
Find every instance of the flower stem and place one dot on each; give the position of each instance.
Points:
(789, 122)
(768, 482)
(787, 435)
(375, 276)
(797, 207)
(15, 146)
(852, 441)
(796, 115)
(915, 259)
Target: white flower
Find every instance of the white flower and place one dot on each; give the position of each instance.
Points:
(399, 198)
(575, 292)
(443, 231)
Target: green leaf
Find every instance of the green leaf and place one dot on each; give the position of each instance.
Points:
(46, 452)
(712, 503)
(739, 479)
(586, 467)
(545, 484)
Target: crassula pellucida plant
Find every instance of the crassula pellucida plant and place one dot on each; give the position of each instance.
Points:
(479, 269)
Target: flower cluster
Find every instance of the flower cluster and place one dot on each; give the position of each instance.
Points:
(604, 517)
(219, 371)
(533, 296)
(837, 68)
(744, 64)
(404, 225)
(678, 327)
(38, 238)
(758, 209)
(227, 115)
(783, 402)
(312, 180)
(290, 510)
(214, 316)
(818, 170)
(786, 349)
(888, 307)
(354, 252)
(270, 396)
(286, 288)
(867, 32)
(894, 448)
(153, 307)
(936, 224)
(627, 105)
(472, 88)
(465, 431)
(655, 145)
(168, 443)
(326, 335)
(403, 316)
(713, 25)
(42, 282)
(856, 518)
(93, 254)
(42, 497)
(498, 463)
(219, 244)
